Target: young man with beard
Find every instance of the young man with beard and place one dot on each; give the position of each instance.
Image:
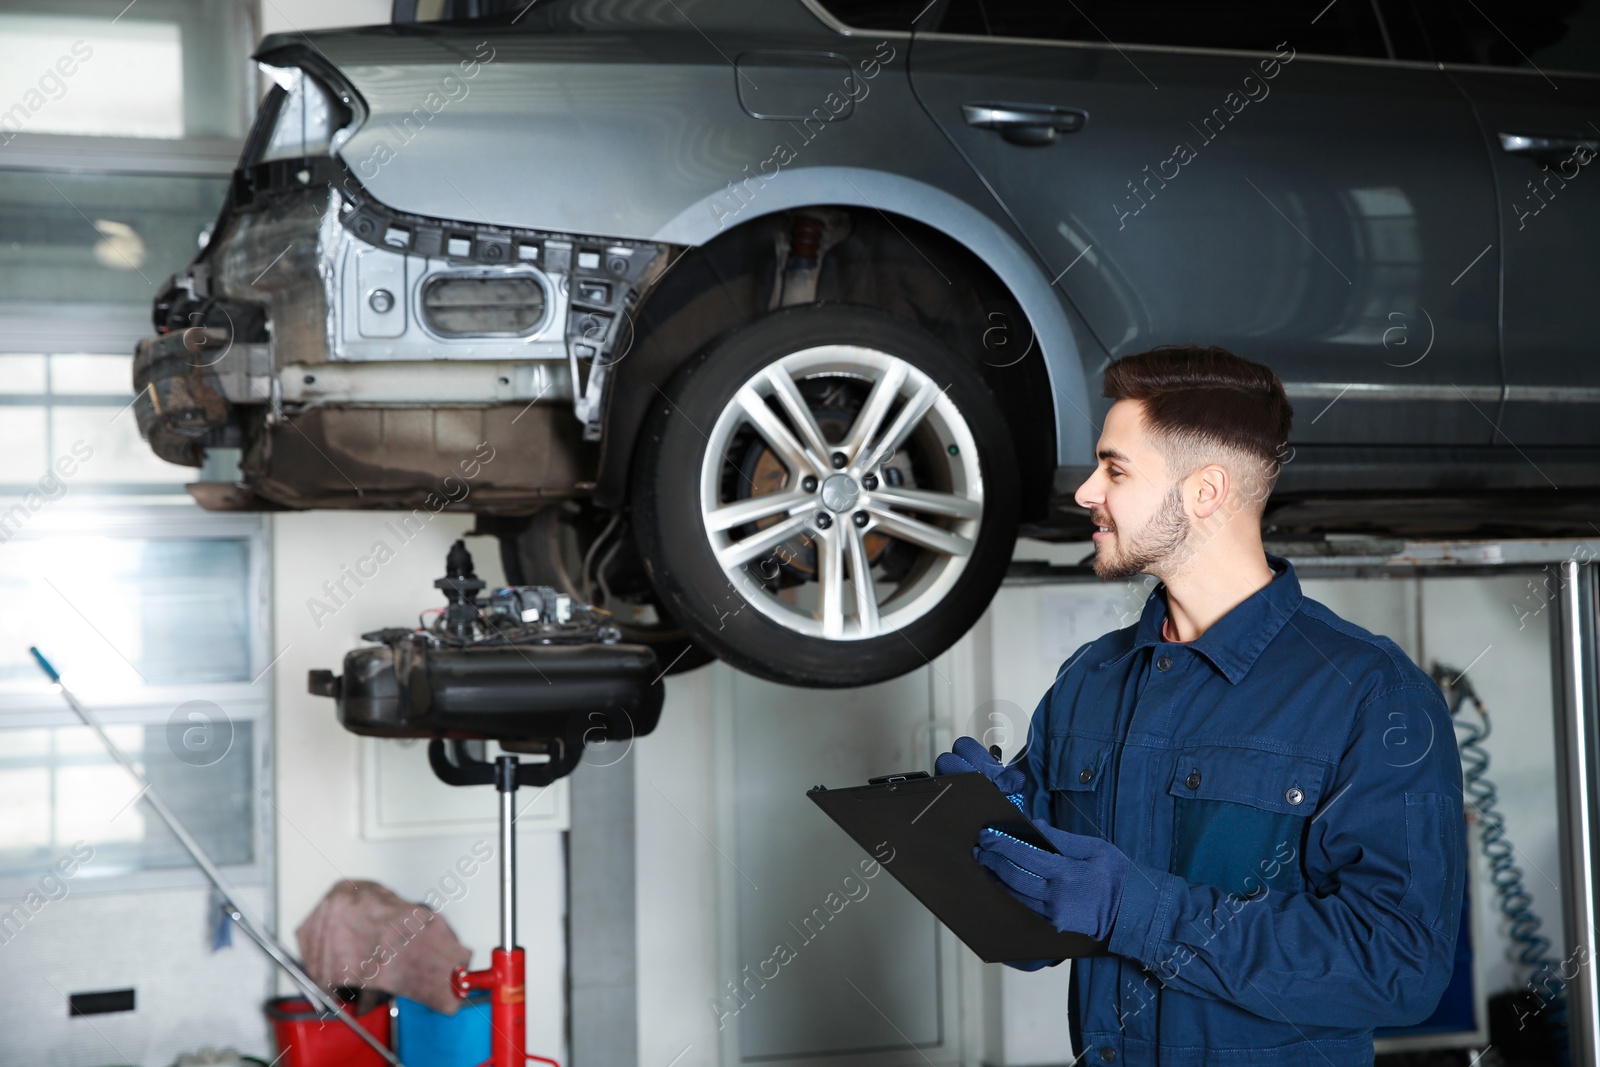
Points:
(1255, 804)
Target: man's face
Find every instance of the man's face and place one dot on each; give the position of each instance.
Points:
(1130, 494)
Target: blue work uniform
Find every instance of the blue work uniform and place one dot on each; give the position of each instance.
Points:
(1288, 789)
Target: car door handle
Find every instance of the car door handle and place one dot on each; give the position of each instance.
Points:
(1537, 145)
(1025, 124)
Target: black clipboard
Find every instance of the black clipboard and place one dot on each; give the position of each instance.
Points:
(932, 825)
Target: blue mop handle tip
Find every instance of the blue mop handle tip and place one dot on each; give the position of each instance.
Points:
(44, 664)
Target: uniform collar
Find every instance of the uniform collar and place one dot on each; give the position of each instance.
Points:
(1233, 642)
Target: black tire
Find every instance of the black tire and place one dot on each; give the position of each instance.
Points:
(721, 614)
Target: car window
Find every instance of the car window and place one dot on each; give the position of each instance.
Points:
(876, 14)
(1403, 26)
(406, 11)
(1533, 34)
(1346, 28)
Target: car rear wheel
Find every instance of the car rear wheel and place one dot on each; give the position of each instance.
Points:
(826, 497)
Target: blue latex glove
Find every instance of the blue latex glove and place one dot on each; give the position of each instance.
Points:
(968, 754)
(1031, 965)
(1078, 890)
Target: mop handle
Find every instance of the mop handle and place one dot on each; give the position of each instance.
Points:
(148, 794)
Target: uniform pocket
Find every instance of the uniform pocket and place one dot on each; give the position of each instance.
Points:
(1077, 768)
(1240, 815)
(1433, 862)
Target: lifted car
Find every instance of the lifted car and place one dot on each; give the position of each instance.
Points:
(767, 327)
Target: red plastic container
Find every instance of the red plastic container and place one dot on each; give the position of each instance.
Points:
(306, 1039)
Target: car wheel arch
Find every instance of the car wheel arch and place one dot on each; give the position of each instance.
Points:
(726, 283)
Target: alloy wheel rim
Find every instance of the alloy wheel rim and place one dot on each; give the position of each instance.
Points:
(845, 498)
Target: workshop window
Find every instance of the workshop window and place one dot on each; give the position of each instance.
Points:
(119, 128)
(154, 616)
(120, 125)
(67, 430)
(82, 245)
(119, 613)
(155, 69)
(59, 787)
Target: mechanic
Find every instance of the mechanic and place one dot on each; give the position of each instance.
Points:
(1257, 805)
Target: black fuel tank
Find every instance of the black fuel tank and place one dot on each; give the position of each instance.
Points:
(505, 692)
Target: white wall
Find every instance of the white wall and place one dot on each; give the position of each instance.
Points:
(678, 878)
(154, 941)
(318, 773)
(701, 776)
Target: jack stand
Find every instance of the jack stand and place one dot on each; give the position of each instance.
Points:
(525, 666)
(505, 976)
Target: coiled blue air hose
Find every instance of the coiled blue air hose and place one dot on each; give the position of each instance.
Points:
(1515, 903)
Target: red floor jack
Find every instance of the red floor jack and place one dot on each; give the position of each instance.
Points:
(504, 978)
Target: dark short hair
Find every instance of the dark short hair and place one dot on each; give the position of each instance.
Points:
(1202, 400)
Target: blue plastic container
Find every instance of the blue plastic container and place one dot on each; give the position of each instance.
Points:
(429, 1039)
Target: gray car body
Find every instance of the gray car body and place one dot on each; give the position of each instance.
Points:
(630, 121)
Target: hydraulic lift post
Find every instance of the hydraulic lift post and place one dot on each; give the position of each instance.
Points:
(1576, 656)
